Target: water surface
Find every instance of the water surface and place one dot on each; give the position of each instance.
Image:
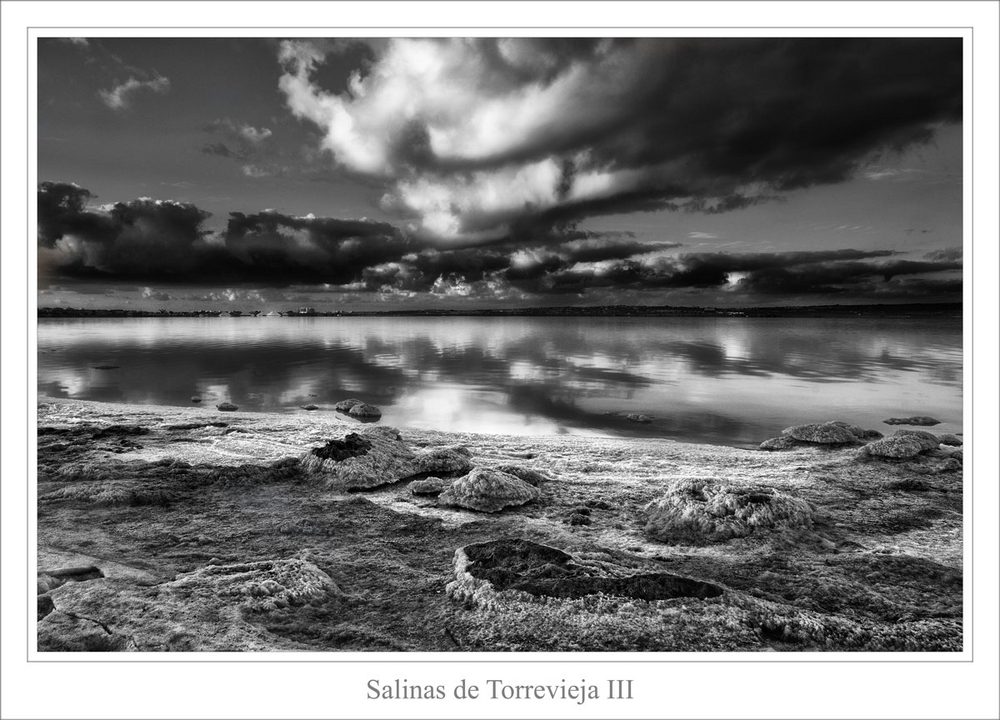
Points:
(732, 381)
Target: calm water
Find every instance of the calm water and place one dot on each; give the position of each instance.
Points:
(732, 381)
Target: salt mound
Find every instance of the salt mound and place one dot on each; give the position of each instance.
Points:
(365, 412)
(514, 564)
(374, 457)
(698, 512)
(488, 490)
(928, 441)
(446, 461)
(532, 477)
(782, 442)
(429, 486)
(915, 420)
(896, 447)
(379, 456)
(261, 585)
(822, 433)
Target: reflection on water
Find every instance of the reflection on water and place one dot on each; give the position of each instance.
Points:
(725, 380)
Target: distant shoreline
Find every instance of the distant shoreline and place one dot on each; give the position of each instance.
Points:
(817, 311)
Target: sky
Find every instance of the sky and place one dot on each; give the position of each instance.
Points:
(406, 173)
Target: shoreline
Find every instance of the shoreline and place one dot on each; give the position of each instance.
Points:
(863, 310)
(875, 568)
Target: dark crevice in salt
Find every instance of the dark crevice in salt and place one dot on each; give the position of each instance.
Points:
(541, 570)
(338, 450)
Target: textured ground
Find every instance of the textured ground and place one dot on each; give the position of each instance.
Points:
(206, 535)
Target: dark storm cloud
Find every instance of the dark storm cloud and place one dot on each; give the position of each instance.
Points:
(835, 278)
(563, 129)
(162, 241)
(61, 212)
(788, 273)
(132, 239)
(310, 249)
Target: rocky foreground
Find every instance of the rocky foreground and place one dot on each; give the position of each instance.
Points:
(187, 529)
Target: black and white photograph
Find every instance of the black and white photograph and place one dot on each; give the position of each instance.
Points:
(460, 345)
(536, 344)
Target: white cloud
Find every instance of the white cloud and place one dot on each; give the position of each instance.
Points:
(894, 174)
(471, 134)
(120, 96)
(446, 100)
(254, 135)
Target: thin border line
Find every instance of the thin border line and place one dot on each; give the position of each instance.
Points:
(498, 27)
(465, 654)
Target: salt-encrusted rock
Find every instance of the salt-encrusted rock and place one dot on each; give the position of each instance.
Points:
(521, 566)
(227, 407)
(450, 461)
(376, 456)
(429, 486)
(782, 442)
(915, 420)
(821, 433)
(699, 512)
(206, 609)
(45, 606)
(379, 456)
(639, 418)
(51, 579)
(897, 447)
(261, 585)
(488, 490)
(857, 431)
(345, 405)
(63, 632)
(364, 411)
(928, 441)
(950, 440)
(310, 407)
(532, 477)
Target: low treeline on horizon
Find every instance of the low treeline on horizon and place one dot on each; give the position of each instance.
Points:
(873, 310)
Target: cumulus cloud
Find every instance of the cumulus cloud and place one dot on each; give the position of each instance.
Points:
(148, 293)
(311, 249)
(473, 136)
(120, 96)
(239, 141)
(124, 240)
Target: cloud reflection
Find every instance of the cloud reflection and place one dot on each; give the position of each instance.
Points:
(729, 381)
